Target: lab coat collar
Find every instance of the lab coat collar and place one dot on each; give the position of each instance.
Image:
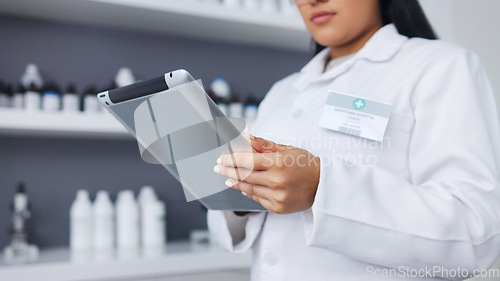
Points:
(382, 46)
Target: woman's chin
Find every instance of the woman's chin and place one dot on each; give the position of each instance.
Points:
(328, 38)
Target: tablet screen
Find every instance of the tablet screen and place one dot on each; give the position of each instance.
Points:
(183, 130)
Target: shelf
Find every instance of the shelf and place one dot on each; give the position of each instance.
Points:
(14, 122)
(178, 258)
(179, 17)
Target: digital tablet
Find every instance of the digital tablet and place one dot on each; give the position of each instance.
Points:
(177, 125)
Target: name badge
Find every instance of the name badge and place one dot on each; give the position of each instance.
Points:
(355, 116)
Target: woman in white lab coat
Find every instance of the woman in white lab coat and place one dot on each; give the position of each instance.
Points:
(421, 202)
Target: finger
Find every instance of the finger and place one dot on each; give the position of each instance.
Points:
(248, 137)
(264, 202)
(248, 160)
(263, 145)
(268, 205)
(255, 192)
(240, 174)
(250, 189)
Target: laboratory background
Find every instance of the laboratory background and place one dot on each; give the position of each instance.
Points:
(59, 150)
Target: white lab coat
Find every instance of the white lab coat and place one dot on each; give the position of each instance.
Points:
(431, 199)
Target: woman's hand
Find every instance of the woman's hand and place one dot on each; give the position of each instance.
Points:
(283, 179)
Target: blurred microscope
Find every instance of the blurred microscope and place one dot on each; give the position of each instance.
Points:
(19, 251)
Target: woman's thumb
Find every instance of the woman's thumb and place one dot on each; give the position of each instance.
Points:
(263, 145)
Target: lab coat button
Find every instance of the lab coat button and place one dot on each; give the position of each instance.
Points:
(297, 113)
(270, 259)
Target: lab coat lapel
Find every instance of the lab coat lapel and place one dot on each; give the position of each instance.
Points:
(381, 47)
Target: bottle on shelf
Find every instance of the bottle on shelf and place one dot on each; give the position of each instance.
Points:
(222, 93)
(127, 224)
(81, 223)
(152, 221)
(70, 99)
(4, 95)
(223, 105)
(251, 107)
(103, 223)
(10, 94)
(32, 76)
(153, 227)
(18, 98)
(146, 194)
(32, 98)
(236, 107)
(124, 77)
(89, 101)
(51, 98)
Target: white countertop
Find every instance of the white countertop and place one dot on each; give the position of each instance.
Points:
(176, 259)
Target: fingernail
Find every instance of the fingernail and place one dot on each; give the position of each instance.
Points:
(219, 160)
(249, 136)
(216, 169)
(230, 182)
(244, 193)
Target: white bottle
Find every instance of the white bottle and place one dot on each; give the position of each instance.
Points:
(236, 109)
(250, 112)
(51, 99)
(127, 222)
(153, 225)
(21, 202)
(251, 108)
(104, 227)
(224, 108)
(32, 76)
(4, 96)
(70, 100)
(81, 223)
(18, 98)
(90, 103)
(32, 99)
(147, 194)
(222, 93)
(124, 77)
(221, 88)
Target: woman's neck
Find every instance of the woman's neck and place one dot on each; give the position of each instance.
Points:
(352, 46)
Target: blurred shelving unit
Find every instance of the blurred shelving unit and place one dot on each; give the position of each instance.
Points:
(178, 261)
(193, 19)
(179, 17)
(14, 122)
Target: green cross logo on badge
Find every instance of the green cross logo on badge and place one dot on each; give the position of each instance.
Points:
(359, 104)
